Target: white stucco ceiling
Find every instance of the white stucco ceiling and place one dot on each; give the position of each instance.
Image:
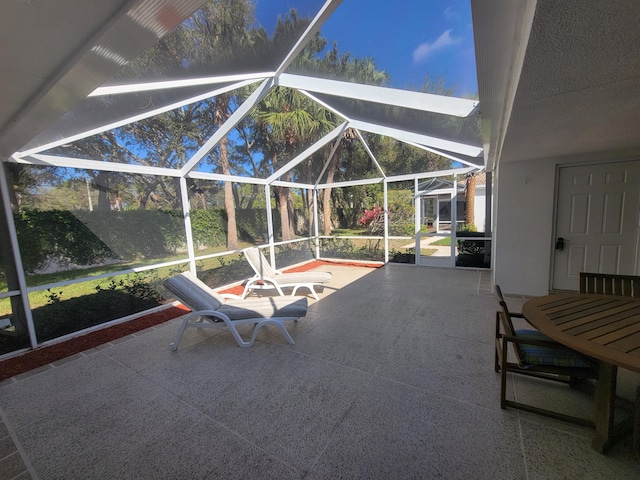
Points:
(578, 91)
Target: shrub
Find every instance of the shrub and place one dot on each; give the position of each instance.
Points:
(373, 220)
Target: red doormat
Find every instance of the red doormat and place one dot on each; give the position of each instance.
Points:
(52, 353)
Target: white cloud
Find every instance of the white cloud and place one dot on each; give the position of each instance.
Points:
(450, 13)
(425, 50)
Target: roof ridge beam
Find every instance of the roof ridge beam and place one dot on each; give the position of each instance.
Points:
(427, 102)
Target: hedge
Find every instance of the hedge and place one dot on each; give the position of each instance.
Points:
(85, 238)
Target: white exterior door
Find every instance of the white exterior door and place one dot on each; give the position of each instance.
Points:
(596, 222)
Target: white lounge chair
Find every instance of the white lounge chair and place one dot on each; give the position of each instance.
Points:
(267, 277)
(212, 310)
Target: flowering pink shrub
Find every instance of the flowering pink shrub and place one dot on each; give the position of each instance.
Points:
(373, 220)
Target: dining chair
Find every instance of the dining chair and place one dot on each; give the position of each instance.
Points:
(536, 355)
(626, 286)
(610, 284)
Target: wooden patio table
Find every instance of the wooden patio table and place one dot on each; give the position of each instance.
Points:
(606, 327)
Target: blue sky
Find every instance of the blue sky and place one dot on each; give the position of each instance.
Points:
(409, 39)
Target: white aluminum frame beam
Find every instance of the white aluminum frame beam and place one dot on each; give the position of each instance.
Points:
(326, 164)
(456, 147)
(308, 152)
(368, 150)
(426, 102)
(332, 109)
(227, 126)
(439, 173)
(398, 178)
(325, 12)
(351, 183)
(280, 183)
(187, 82)
(446, 155)
(219, 177)
(135, 118)
(68, 162)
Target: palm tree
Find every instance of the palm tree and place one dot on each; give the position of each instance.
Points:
(291, 122)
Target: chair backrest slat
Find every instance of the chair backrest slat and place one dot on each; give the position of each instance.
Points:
(610, 284)
(259, 262)
(507, 323)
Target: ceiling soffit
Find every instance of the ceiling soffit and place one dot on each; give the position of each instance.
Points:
(579, 90)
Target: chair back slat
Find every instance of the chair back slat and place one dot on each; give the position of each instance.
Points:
(507, 323)
(259, 263)
(610, 284)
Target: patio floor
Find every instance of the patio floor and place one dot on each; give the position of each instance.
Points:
(391, 376)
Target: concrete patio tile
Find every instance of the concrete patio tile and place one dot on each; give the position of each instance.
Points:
(555, 453)
(396, 431)
(474, 317)
(347, 343)
(199, 375)
(449, 366)
(554, 396)
(289, 406)
(151, 346)
(133, 429)
(47, 391)
(379, 384)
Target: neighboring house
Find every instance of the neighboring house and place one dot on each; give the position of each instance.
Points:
(560, 102)
(436, 196)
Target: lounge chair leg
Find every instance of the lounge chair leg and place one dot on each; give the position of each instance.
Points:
(176, 342)
(311, 290)
(278, 324)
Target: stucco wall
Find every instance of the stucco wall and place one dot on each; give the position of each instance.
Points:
(523, 226)
(524, 221)
(479, 206)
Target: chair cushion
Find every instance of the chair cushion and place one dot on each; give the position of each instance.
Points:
(265, 307)
(193, 292)
(535, 355)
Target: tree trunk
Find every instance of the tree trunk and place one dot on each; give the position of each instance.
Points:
(229, 203)
(291, 215)
(284, 213)
(102, 184)
(326, 195)
(469, 211)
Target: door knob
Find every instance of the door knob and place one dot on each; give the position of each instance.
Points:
(560, 244)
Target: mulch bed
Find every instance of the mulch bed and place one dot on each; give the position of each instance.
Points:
(52, 353)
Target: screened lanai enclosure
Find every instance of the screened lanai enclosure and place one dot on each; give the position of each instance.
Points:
(180, 132)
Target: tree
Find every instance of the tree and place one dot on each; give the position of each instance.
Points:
(470, 196)
(291, 122)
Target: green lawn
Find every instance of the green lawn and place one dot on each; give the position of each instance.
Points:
(443, 242)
